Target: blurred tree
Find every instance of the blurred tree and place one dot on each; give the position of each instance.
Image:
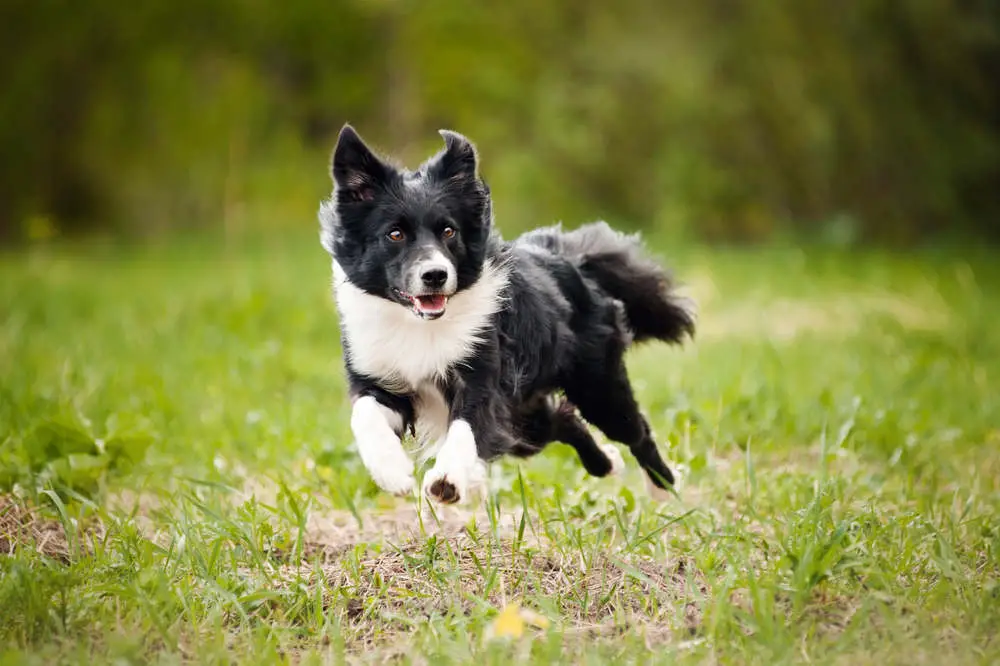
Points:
(729, 120)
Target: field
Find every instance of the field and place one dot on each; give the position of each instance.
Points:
(177, 481)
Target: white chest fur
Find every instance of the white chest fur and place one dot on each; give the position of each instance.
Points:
(386, 341)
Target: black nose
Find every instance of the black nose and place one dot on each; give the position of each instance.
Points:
(435, 277)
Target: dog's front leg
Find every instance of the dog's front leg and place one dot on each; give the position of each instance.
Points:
(458, 473)
(377, 426)
(479, 432)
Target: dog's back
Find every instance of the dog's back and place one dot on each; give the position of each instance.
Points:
(615, 262)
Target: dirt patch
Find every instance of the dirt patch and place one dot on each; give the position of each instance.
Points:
(22, 527)
(329, 528)
(381, 593)
(335, 528)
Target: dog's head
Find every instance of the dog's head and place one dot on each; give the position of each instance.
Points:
(412, 237)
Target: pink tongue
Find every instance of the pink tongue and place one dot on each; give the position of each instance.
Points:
(430, 303)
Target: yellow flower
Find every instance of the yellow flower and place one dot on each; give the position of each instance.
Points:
(510, 622)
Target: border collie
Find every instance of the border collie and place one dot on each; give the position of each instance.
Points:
(478, 346)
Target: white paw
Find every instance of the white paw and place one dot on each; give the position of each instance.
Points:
(451, 484)
(381, 451)
(458, 474)
(392, 471)
(615, 456)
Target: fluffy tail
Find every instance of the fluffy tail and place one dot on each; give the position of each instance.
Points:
(615, 261)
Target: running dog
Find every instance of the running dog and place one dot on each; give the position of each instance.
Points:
(478, 346)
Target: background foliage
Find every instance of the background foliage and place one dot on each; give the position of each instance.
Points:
(870, 119)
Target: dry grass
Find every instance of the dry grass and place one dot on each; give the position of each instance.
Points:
(382, 591)
(23, 527)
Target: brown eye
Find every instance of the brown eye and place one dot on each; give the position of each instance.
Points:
(449, 232)
(395, 235)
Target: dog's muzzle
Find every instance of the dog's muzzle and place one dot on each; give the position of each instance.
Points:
(431, 282)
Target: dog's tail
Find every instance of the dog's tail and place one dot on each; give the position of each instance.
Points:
(615, 261)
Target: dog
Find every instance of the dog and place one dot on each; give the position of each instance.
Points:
(477, 346)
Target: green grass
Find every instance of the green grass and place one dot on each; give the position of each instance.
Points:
(179, 483)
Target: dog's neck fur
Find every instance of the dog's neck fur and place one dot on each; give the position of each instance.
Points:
(402, 352)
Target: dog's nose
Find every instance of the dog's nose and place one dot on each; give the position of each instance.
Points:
(434, 277)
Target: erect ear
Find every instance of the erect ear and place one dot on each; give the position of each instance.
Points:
(458, 160)
(356, 170)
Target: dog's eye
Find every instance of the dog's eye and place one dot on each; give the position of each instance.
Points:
(395, 235)
(448, 232)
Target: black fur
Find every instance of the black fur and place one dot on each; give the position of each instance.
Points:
(553, 358)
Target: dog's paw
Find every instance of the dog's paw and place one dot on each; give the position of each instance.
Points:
(458, 473)
(614, 457)
(381, 451)
(441, 489)
(393, 473)
(656, 493)
(387, 462)
(451, 484)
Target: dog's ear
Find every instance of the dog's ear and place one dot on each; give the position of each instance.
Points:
(356, 170)
(458, 161)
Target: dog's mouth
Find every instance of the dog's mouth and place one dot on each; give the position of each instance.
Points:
(427, 306)
(430, 306)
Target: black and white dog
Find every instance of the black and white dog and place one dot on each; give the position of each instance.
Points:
(478, 346)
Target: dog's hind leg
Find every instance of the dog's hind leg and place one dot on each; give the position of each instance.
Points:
(605, 399)
(597, 459)
(551, 420)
